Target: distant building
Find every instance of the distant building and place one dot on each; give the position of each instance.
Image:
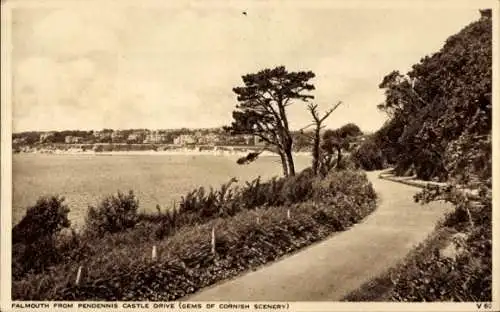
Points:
(118, 137)
(102, 135)
(72, 139)
(185, 139)
(156, 137)
(135, 138)
(209, 139)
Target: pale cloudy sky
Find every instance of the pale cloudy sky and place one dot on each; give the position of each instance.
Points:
(90, 67)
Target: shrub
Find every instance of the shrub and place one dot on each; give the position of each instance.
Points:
(207, 204)
(34, 238)
(298, 188)
(115, 213)
(369, 156)
(347, 163)
(47, 217)
(343, 183)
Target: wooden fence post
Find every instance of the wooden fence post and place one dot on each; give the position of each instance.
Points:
(78, 276)
(153, 253)
(213, 240)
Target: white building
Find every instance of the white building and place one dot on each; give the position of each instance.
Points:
(135, 138)
(156, 137)
(209, 139)
(184, 139)
(72, 139)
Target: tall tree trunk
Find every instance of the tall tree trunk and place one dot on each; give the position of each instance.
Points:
(339, 156)
(286, 136)
(284, 163)
(315, 151)
(289, 157)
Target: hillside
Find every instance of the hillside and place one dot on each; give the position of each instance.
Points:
(440, 111)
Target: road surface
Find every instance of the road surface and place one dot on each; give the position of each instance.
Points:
(331, 269)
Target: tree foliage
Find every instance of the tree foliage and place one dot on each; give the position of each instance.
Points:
(316, 146)
(444, 102)
(261, 111)
(334, 143)
(327, 149)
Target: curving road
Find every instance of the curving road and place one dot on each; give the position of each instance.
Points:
(331, 269)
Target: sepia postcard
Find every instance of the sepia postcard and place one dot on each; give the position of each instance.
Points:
(249, 155)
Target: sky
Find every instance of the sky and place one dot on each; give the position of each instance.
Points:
(93, 67)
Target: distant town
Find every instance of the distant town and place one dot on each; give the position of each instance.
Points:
(108, 140)
(213, 136)
(138, 139)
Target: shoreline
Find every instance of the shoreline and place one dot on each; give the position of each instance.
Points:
(157, 153)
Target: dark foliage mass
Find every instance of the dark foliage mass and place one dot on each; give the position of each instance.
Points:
(34, 238)
(369, 156)
(440, 111)
(47, 217)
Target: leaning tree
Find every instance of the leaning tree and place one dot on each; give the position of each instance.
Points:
(261, 111)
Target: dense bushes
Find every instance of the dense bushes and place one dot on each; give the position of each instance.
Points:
(123, 268)
(369, 156)
(200, 205)
(113, 214)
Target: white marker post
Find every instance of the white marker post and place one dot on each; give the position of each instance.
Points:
(153, 253)
(78, 276)
(288, 214)
(258, 220)
(213, 240)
